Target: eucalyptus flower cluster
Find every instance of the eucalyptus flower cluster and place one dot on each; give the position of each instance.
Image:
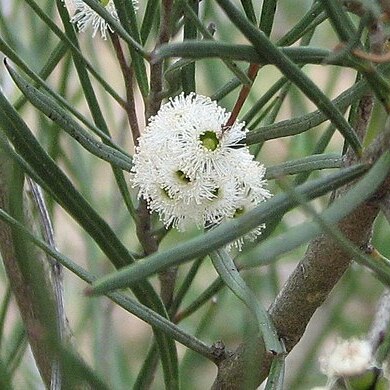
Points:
(84, 16)
(193, 170)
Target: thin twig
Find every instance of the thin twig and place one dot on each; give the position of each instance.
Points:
(144, 229)
(127, 73)
(156, 68)
(252, 73)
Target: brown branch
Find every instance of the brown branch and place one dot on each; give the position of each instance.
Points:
(33, 315)
(56, 277)
(156, 68)
(252, 73)
(144, 230)
(127, 73)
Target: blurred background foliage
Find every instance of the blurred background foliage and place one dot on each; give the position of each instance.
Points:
(113, 342)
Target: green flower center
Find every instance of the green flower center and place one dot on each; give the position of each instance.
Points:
(104, 3)
(240, 211)
(209, 140)
(182, 177)
(215, 192)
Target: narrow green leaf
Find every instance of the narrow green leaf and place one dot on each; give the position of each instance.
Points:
(267, 16)
(223, 234)
(5, 378)
(75, 50)
(16, 348)
(149, 19)
(204, 297)
(240, 52)
(271, 249)
(249, 10)
(340, 20)
(76, 373)
(59, 186)
(226, 89)
(257, 106)
(306, 164)
(276, 374)
(380, 268)
(147, 372)
(226, 269)
(207, 35)
(319, 148)
(188, 72)
(93, 104)
(185, 286)
(301, 28)
(84, 79)
(190, 359)
(126, 13)
(127, 303)
(347, 33)
(54, 58)
(3, 312)
(57, 114)
(41, 83)
(308, 121)
(275, 56)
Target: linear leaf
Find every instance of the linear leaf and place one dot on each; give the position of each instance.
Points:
(208, 36)
(146, 314)
(14, 57)
(188, 72)
(306, 164)
(126, 13)
(57, 114)
(380, 268)
(275, 56)
(5, 377)
(75, 50)
(274, 247)
(308, 121)
(75, 204)
(308, 21)
(224, 265)
(240, 52)
(267, 16)
(149, 19)
(223, 234)
(94, 107)
(347, 33)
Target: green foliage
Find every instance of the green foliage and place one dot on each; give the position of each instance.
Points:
(71, 110)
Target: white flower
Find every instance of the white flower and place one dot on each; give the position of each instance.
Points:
(84, 16)
(349, 358)
(192, 170)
